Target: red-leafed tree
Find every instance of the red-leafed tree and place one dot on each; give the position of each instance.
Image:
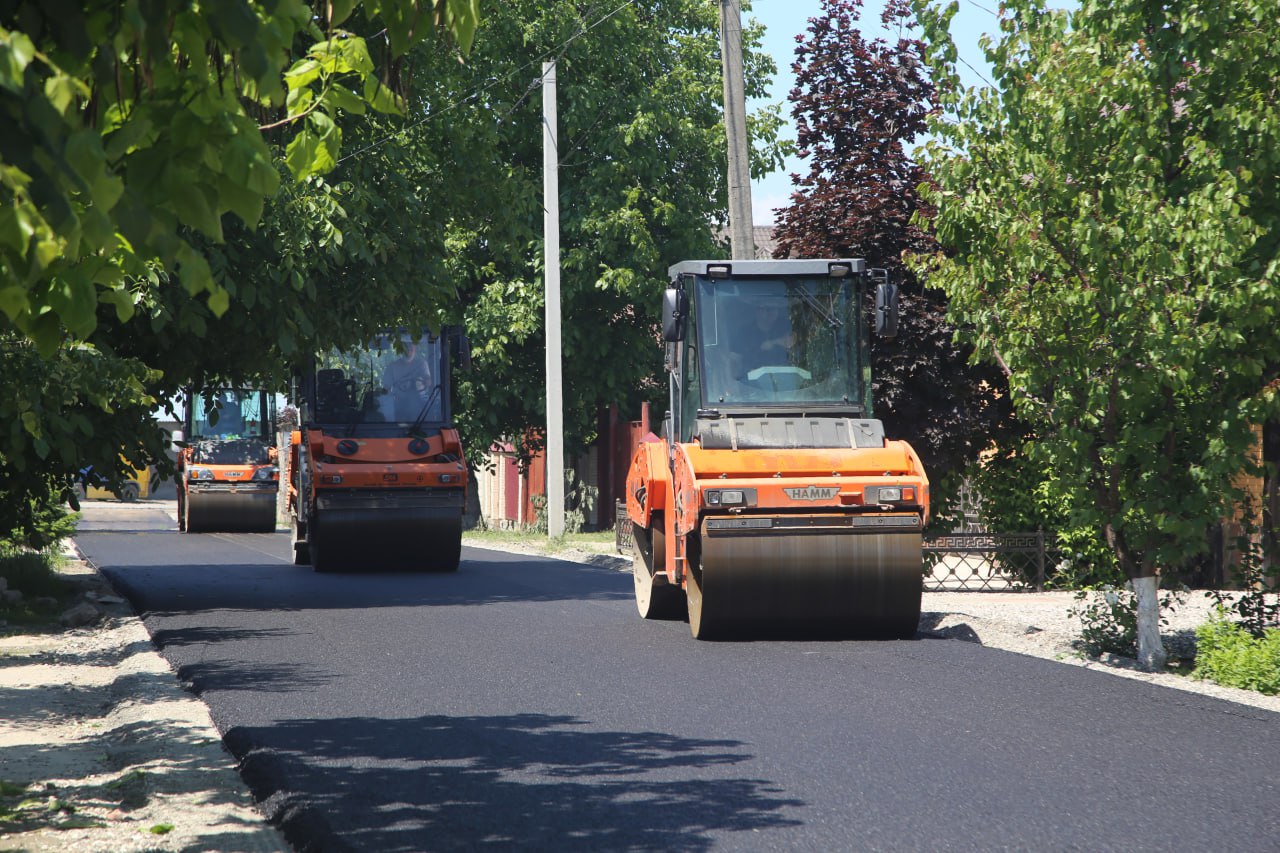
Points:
(857, 105)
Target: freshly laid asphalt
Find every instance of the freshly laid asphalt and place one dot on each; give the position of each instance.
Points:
(522, 704)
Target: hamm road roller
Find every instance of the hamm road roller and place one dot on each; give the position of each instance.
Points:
(377, 476)
(227, 474)
(773, 502)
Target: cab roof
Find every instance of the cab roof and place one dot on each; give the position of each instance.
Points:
(765, 269)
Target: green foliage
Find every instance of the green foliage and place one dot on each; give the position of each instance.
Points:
(1256, 606)
(1109, 224)
(579, 499)
(81, 407)
(126, 132)
(1108, 616)
(1108, 621)
(1228, 654)
(31, 572)
(1020, 493)
(642, 165)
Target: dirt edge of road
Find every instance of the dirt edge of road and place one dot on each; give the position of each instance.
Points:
(103, 749)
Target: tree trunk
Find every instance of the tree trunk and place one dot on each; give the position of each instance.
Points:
(1145, 582)
(1151, 652)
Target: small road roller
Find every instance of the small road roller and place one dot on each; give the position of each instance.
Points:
(377, 474)
(227, 477)
(773, 503)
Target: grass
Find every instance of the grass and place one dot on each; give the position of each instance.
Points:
(35, 575)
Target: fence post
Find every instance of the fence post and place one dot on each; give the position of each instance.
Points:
(1039, 559)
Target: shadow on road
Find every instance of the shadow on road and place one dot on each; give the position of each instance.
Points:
(526, 781)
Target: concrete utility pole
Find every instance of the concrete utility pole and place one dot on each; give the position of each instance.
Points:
(551, 236)
(741, 238)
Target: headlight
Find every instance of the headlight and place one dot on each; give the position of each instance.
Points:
(889, 494)
(266, 473)
(201, 474)
(729, 497)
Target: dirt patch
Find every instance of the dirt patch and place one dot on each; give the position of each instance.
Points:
(102, 750)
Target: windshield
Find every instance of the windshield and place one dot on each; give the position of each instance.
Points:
(232, 413)
(776, 342)
(394, 379)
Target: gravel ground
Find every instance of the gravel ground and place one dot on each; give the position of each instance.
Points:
(102, 750)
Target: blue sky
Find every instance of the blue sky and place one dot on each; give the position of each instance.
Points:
(785, 19)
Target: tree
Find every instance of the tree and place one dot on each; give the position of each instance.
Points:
(1111, 217)
(125, 130)
(858, 104)
(133, 144)
(642, 186)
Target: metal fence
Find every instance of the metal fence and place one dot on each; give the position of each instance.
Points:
(622, 528)
(955, 562)
(984, 562)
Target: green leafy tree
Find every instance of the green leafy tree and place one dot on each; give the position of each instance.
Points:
(129, 127)
(136, 140)
(641, 172)
(1109, 218)
(858, 105)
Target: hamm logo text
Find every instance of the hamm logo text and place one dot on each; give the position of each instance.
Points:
(813, 493)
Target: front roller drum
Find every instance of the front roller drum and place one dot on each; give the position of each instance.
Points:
(388, 539)
(229, 512)
(827, 584)
(656, 597)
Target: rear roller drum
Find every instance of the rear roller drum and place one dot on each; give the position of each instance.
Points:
(656, 597)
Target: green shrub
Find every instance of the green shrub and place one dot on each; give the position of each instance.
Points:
(31, 572)
(1108, 617)
(1108, 621)
(1229, 655)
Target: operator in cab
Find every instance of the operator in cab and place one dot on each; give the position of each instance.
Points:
(408, 379)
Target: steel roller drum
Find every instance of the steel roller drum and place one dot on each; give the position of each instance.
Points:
(813, 583)
(390, 538)
(231, 512)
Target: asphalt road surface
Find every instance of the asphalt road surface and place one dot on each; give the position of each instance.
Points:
(521, 704)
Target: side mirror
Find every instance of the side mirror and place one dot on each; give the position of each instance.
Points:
(886, 324)
(675, 305)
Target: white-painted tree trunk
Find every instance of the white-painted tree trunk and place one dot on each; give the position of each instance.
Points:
(1151, 653)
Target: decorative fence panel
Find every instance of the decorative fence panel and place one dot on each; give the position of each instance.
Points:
(984, 562)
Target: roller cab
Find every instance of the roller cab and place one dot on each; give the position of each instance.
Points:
(377, 472)
(773, 501)
(228, 477)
